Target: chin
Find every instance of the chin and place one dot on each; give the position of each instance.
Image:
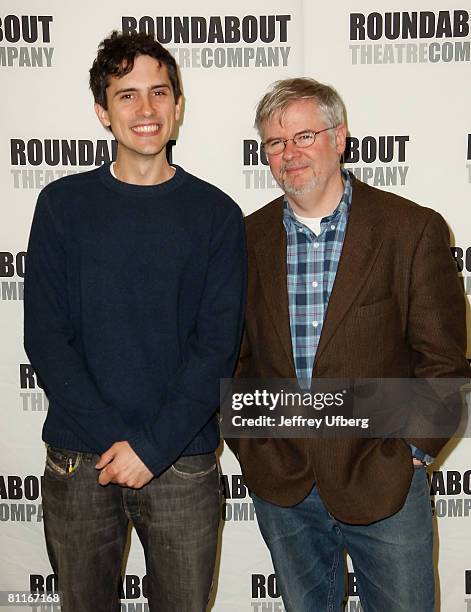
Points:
(146, 151)
(299, 190)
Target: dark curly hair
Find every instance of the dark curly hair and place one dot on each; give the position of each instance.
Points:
(116, 56)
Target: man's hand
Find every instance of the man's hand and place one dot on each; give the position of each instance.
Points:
(120, 465)
(415, 461)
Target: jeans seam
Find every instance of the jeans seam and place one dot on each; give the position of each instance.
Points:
(332, 582)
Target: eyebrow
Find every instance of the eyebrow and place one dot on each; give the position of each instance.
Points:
(133, 89)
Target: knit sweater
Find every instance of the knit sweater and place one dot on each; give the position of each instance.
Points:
(134, 299)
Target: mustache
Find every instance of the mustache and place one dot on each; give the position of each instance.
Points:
(294, 166)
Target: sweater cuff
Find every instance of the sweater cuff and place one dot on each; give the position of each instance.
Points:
(146, 451)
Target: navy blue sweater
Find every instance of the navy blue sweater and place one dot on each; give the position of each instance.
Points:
(134, 300)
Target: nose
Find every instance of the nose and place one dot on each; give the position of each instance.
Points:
(146, 109)
(290, 150)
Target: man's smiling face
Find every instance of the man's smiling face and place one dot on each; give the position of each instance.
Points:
(142, 111)
(299, 171)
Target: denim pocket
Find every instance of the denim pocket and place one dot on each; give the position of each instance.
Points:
(61, 462)
(195, 466)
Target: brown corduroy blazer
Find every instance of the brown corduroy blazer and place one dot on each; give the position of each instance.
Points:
(396, 310)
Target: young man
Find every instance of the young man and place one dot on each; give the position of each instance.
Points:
(134, 298)
(345, 281)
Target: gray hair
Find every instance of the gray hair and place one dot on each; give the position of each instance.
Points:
(283, 93)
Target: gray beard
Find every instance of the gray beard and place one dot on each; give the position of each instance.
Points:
(298, 191)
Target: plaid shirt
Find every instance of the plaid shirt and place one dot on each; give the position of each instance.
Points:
(312, 263)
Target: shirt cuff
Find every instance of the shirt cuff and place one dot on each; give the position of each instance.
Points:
(421, 455)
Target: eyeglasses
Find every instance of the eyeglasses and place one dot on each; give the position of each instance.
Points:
(301, 140)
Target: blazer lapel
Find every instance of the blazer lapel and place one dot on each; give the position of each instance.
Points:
(360, 249)
(270, 256)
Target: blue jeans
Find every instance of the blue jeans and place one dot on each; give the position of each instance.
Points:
(392, 558)
(176, 517)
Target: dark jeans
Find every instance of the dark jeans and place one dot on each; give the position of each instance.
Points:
(392, 558)
(176, 517)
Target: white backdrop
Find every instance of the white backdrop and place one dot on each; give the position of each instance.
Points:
(408, 98)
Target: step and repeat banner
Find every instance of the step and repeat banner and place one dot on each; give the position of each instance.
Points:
(404, 74)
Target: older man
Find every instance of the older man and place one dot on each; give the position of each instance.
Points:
(344, 281)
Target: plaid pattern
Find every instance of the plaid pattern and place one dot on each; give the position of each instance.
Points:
(419, 454)
(312, 263)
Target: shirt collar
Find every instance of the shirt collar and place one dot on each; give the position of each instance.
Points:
(342, 208)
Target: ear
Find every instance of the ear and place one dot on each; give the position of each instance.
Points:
(340, 138)
(102, 115)
(178, 108)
